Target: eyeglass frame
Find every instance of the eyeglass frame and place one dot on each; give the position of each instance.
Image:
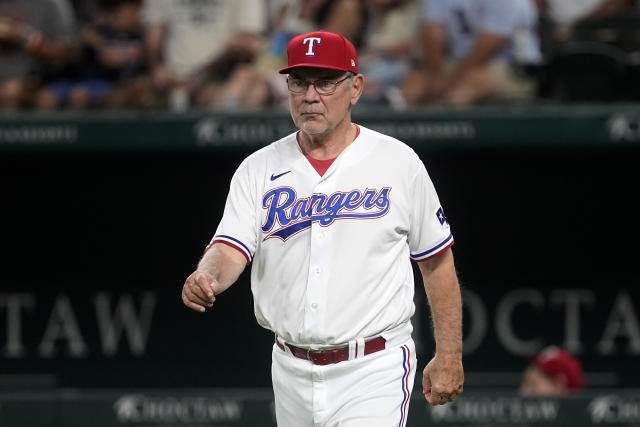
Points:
(308, 83)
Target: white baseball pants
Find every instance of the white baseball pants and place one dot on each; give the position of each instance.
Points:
(368, 391)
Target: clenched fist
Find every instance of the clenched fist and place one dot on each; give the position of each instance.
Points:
(198, 291)
(442, 379)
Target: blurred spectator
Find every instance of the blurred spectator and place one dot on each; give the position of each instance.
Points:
(563, 15)
(292, 17)
(552, 372)
(295, 17)
(590, 49)
(255, 85)
(86, 11)
(111, 73)
(387, 45)
(192, 43)
(491, 45)
(37, 40)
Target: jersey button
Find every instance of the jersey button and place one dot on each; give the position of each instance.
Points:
(314, 305)
(317, 271)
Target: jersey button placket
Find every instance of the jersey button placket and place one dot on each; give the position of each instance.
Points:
(318, 279)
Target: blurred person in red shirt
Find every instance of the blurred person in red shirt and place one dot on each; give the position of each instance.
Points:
(552, 372)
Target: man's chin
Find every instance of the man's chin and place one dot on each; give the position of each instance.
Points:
(313, 128)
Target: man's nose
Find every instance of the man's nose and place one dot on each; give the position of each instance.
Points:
(311, 93)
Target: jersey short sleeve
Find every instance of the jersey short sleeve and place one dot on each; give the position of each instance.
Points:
(429, 232)
(238, 225)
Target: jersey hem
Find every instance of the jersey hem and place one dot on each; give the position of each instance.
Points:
(234, 243)
(436, 250)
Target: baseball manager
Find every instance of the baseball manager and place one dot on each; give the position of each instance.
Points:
(330, 217)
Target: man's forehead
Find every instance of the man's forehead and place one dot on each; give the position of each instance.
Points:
(313, 72)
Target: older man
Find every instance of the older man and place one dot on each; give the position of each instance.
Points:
(330, 216)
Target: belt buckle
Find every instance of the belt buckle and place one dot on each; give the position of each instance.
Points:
(320, 356)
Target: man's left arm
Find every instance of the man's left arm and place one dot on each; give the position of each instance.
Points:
(443, 377)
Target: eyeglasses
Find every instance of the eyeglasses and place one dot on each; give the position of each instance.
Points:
(323, 87)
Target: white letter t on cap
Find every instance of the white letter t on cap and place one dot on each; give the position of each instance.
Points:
(311, 41)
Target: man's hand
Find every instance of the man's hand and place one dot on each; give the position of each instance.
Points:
(442, 379)
(198, 291)
(218, 269)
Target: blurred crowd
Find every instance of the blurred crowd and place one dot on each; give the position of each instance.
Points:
(223, 54)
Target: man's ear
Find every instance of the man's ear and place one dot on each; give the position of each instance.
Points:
(356, 89)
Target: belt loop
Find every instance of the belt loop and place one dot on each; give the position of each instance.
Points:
(281, 344)
(352, 349)
(360, 347)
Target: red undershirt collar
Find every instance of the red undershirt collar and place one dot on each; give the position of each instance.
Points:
(321, 166)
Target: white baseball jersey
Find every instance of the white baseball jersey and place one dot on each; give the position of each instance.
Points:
(331, 254)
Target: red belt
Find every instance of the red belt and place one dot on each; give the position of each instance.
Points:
(326, 357)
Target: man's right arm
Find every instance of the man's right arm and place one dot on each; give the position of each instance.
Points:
(218, 269)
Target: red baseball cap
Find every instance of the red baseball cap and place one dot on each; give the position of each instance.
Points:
(321, 49)
(561, 366)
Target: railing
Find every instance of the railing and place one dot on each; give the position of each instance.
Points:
(255, 408)
(557, 126)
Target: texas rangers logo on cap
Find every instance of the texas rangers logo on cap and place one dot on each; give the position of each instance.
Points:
(321, 49)
(311, 42)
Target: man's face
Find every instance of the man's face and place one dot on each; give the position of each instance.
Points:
(316, 114)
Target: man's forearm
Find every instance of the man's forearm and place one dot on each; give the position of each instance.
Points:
(443, 293)
(224, 263)
(445, 303)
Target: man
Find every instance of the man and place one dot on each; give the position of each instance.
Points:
(552, 372)
(491, 43)
(330, 217)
